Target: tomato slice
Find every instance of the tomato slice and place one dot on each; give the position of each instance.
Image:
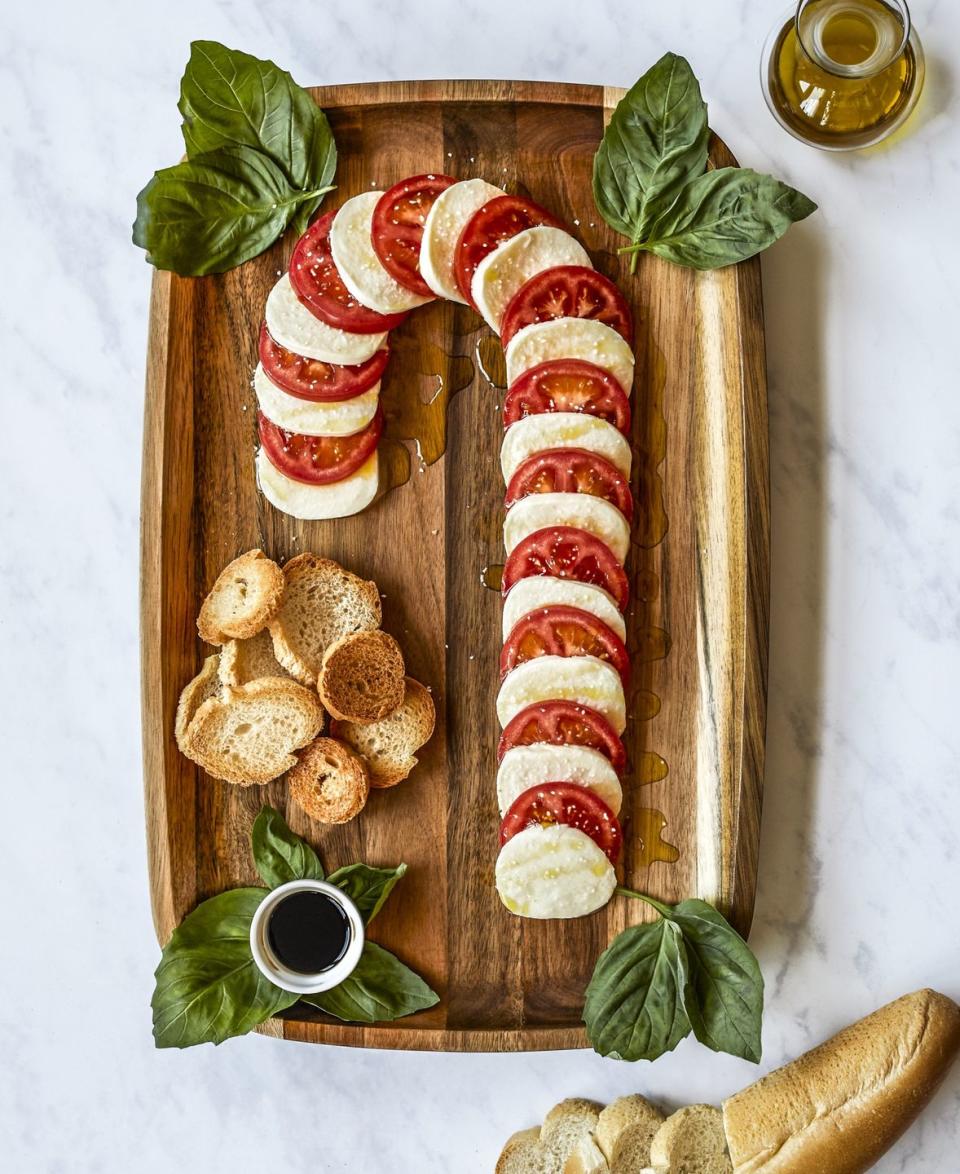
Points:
(571, 470)
(567, 552)
(497, 221)
(570, 804)
(397, 229)
(560, 630)
(318, 460)
(314, 380)
(568, 385)
(319, 286)
(567, 291)
(564, 723)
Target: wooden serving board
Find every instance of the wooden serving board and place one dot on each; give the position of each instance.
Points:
(698, 569)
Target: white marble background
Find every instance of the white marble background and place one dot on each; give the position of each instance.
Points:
(858, 883)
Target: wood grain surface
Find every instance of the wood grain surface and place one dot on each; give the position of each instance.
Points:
(698, 568)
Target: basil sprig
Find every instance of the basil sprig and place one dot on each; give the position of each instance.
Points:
(689, 970)
(260, 157)
(208, 988)
(650, 181)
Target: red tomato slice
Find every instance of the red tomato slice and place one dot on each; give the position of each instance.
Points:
(571, 470)
(570, 804)
(319, 286)
(563, 631)
(563, 723)
(567, 553)
(313, 380)
(397, 230)
(496, 222)
(318, 460)
(567, 291)
(568, 385)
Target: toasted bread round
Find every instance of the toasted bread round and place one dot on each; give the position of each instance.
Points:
(389, 745)
(245, 596)
(362, 677)
(691, 1141)
(329, 781)
(321, 603)
(248, 733)
(243, 661)
(205, 684)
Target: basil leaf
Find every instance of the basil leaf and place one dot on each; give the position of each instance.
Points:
(724, 997)
(368, 887)
(381, 988)
(208, 987)
(655, 141)
(634, 1008)
(281, 856)
(215, 211)
(725, 216)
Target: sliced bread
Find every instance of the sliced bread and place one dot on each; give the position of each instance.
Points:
(625, 1130)
(586, 1158)
(362, 677)
(321, 603)
(248, 733)
(691, 1141)
(245, 596)
(546, 1150)
(329, 781)
(205, 684)
(389, 745)
(243, 661)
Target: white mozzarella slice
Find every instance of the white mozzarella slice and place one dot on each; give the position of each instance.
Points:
(342, 417)
(358, 264)
(570, 338)
(339, 499)
(540, 591)
(524, 767)
(586, 680)
(584, 511)
(445, 221)
(501, 273)
(555, 871)
(549, 430)
(293, 326)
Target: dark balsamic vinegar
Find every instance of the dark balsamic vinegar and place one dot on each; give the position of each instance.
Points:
(308, 932)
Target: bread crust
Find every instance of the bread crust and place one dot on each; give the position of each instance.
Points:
(329, 781)
(244, 598)
(362, 677)
(840, 1107)
(205, 684)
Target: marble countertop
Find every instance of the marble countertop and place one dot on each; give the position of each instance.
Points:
(861, 836)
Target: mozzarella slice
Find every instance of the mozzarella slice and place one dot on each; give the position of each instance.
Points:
(501, 273)
(339, 499)
(539, 591)
(555, 871)
(524, 767)
(583, 679)
(445, 221)
(293, 326)
(358, 264)
(596, 515)
(549, 430)
(570, 338)
(342, 417)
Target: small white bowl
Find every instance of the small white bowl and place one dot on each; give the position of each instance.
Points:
(292, 980)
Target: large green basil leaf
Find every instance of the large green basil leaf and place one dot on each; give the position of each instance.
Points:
(208, 987)
(724, 996)
(634, 1007)
(656, 140)
(279, 854)
(725, 216)
(368, 887)
(381, 988)
(215, 211)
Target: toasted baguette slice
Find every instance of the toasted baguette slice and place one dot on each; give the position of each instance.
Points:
(248, 734)
(636, 1115)
(389, 745)
(329, 781)
(842, 1105)
(691, 1141)
(245, 596)
(546, 1150)
(321, 603)
(243, 661)
(205, 684)
(362, 677)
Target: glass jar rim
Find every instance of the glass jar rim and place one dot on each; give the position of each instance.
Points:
(864, 69)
